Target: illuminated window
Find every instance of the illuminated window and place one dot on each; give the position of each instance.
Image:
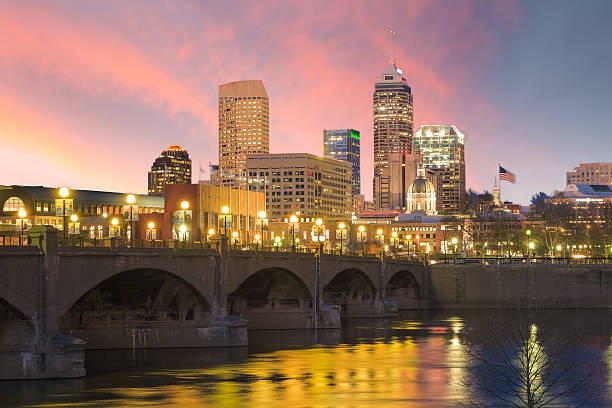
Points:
(13, 204)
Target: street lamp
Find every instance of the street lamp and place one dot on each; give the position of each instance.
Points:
(393, 241)
(22, 214)
(225, 211)
(235, 238)
(114, 223)
(528, 233)
(64, 192)
(293, 220)
(361, 235)
(341, 227)
(131, 199)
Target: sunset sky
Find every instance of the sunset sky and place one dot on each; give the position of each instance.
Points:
(92, 92)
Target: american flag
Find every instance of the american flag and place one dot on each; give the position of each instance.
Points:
(506, 175)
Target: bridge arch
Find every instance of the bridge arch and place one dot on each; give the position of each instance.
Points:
(353, 291)
(404, 288)
(272, 295)
(77, 284)
(138, 295)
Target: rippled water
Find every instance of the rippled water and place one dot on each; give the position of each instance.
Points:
(417, 361)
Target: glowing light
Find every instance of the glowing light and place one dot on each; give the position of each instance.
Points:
(185, 204)
(64, 192)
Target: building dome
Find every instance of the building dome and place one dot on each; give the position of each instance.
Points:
(421, 186)
(421, 195)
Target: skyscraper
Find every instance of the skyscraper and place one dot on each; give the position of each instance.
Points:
(442, 149)
(173, 166)
(244, 128)
(393, 121)
(344, 144)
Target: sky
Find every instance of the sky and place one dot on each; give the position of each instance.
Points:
(92, 92)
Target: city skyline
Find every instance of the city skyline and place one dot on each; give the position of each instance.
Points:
(83, 90)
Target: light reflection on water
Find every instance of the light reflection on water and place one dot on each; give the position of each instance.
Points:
(415, 362)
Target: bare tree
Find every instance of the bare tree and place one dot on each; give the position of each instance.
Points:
(523, 360)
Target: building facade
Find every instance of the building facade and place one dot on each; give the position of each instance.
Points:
(344, 145)
(100, 213)
(442, 149)
(244, 128)
(302, 183)
(173, 166)
(393, 125)
(590, 173)
(199, 207)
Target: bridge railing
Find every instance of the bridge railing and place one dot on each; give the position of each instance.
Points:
(521, 260)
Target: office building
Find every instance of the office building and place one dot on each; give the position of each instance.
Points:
(442, 150)
(590, 173)
(393, 125)
(300, 182)
(344, 145)
(173, 166)
(244, 128)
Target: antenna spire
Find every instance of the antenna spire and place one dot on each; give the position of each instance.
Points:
(392, 49)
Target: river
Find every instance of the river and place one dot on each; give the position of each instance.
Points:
(418, 360)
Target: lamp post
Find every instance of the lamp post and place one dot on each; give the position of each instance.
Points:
(292, 220)
(361, 236)
(235, 238)
(342, 227)
(64, 192)
(185, 207)
(131, 199)
(225, 211)
(528, 233)
(261, 215)
(393, 241)
(22, 214)
(114, 223)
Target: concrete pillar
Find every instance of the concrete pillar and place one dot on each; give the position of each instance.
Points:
(220, 308)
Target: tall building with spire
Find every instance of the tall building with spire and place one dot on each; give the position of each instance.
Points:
(393, 125)
(244, 128)
(172, 166)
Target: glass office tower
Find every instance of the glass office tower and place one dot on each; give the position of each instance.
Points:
(343, 144)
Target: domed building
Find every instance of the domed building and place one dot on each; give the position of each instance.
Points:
(421, 195)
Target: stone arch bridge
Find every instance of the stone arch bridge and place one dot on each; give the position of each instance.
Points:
(52, 299)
